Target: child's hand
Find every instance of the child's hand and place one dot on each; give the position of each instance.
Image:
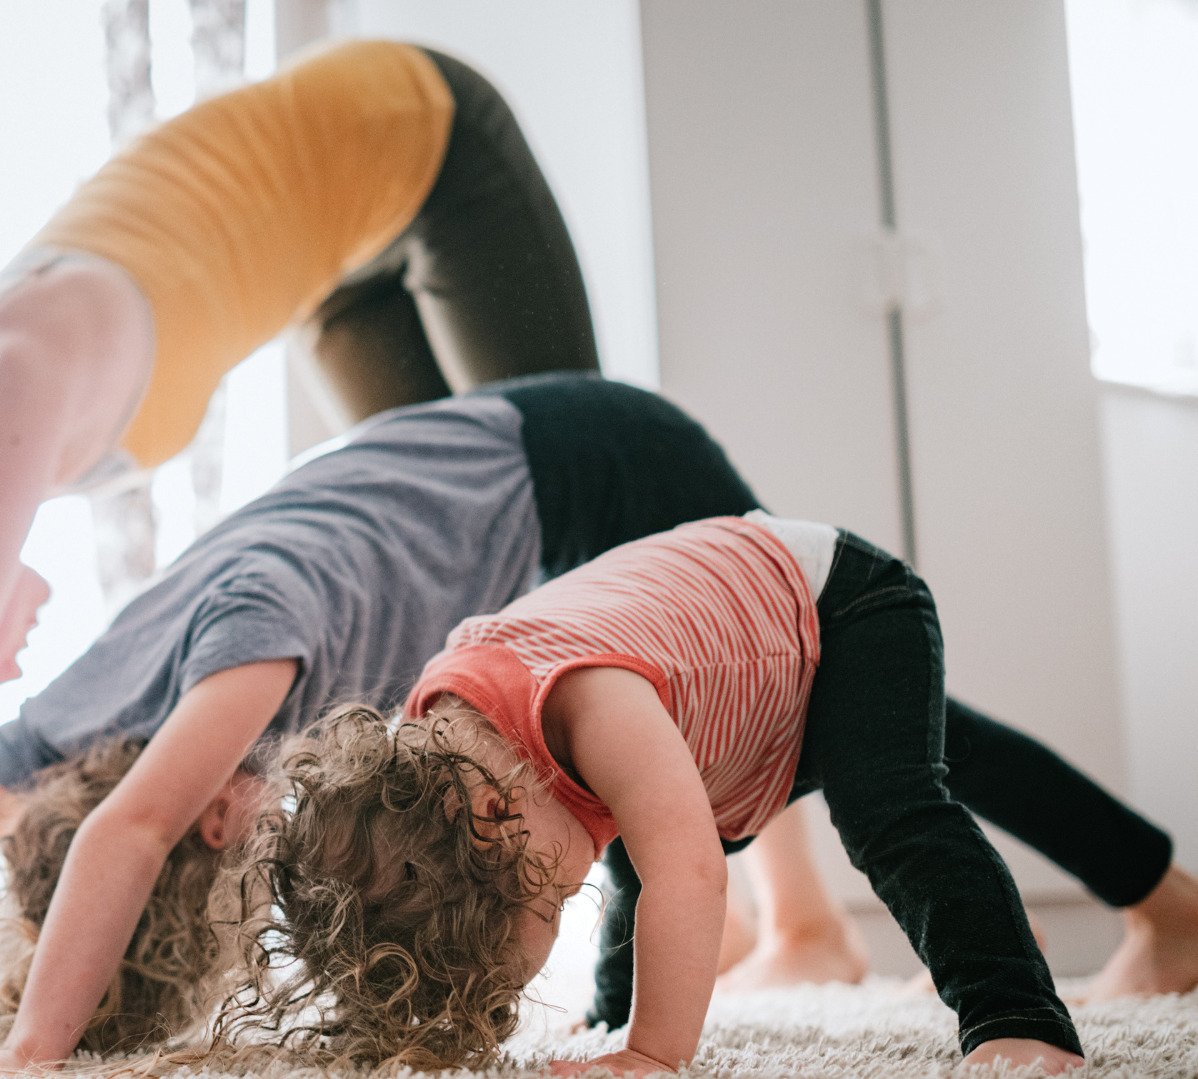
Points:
(625, 1062)
(1051, 1059)
(15, 1063)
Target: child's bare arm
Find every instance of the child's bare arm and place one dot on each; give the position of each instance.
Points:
(121, 847)
(629, 751)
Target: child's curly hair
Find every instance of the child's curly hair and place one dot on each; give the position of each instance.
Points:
(169, 980)
(379, 908)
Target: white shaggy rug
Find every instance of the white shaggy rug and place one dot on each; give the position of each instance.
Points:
(875, 1032)
(859, 1032)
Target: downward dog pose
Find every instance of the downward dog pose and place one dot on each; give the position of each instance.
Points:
(379, 193)
(120, 317)
(679, 691)
(382, 196)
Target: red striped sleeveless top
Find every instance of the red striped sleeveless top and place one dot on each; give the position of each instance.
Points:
(716, 614)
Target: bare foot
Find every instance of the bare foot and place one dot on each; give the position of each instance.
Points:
(1052, 1060)
(835, 953)
(1159, 953)
(19, 616)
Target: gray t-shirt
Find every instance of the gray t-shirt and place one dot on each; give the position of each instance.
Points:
(358, 564)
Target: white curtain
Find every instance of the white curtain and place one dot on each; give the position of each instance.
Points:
(125, 519)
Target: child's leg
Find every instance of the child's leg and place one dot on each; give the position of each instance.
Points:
(874, 742)
(803, 934)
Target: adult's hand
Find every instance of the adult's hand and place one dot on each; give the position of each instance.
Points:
(18, 617)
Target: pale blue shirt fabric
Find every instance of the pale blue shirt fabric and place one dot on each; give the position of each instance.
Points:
(357, 564)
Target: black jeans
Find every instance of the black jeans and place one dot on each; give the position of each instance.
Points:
(1001, 774)
(1004, 775)
(874, 744)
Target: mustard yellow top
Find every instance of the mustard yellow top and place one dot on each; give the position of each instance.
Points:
(239, 216)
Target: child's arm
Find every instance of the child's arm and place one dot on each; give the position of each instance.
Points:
(629, 752)
(121, 847)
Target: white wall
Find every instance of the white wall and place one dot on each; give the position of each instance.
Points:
(764, 199)
(1004, 411)
(764, 182)
(1151, 447)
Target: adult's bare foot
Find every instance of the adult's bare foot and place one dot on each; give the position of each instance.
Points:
(18, 617)
(835, 953)
(1159, 953)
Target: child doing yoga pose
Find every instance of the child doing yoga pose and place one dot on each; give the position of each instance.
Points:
(678, 691)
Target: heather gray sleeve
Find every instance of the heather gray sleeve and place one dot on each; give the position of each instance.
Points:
(250, 619)
(22, 752)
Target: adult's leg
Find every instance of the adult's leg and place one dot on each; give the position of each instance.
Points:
(874, 743)
(802, 933)
(371, 349)
(1029, 791)
(483, 285)
(1023, 787)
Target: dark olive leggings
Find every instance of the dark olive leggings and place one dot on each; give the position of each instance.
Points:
(483, 285)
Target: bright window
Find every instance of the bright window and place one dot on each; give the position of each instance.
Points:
(1135, 94)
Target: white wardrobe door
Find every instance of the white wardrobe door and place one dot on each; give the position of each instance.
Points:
(764, 199)
(1007, 464)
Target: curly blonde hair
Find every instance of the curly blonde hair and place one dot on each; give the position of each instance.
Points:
(169, 980)
(380, 910)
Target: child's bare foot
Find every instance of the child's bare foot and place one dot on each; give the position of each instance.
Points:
(1159, 953)
(1051, 1059)
(833, 953)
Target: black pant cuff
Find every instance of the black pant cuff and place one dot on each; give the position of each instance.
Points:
(1040, 1024)
(614, 1017)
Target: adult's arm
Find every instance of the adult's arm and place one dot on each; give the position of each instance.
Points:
(76, 343)
(228, 222)
(121, 847)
